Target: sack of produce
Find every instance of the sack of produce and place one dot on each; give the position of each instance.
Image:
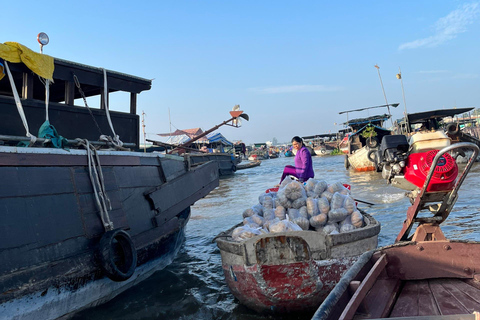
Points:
(349, 204)
(280, 212)
(293, 213)
(312, 207)
(357, 219)
(268, 223)
(337, 215)
(302, 223)
(248, 212)
(294, 190)
(337, 201)
(303, 212)
(258, 209)
(323, 205)
(254, 221)
(320, 188)
(268, 214)
(327, 195)
(268, 203)
(318, 220)
(338, 187)
(300, 202)
(329, 228)
(245, 232)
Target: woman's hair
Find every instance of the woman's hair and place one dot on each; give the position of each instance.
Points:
(297, 139)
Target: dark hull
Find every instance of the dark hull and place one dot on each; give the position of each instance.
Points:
(50, 226)
(227, 163)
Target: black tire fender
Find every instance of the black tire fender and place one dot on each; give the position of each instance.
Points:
(323, 151)
(372, 142)
(118, 256)
(452, 129)
(372, 156)
(234, 168)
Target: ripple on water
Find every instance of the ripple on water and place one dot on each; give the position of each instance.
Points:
(193, 286)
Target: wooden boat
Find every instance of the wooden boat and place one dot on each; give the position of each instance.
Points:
(227, 162)
(250, 164)
(291, 271)
(360, 148)
(79, 226)
(289, 153)
(425, 276)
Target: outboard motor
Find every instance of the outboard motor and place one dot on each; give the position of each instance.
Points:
(407, 167)
(392, 155)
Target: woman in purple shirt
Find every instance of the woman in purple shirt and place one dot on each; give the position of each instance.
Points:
(303, 169)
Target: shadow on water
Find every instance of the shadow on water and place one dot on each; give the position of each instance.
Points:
(193, 286)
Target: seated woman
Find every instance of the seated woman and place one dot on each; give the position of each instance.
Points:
(303, 169)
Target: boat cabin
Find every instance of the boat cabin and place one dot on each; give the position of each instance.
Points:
(66, 108)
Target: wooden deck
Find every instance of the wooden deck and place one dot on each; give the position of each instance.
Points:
(436, 297)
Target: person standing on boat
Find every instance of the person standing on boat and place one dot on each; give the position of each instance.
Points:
(303, 169)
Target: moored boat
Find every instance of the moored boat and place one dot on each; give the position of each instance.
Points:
(291, 271)
(248, 165)
(424, 276)
(82, 220)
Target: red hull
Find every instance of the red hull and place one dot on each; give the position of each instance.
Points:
(300, 286)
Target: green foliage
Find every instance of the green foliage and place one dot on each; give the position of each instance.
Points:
(369, 132)
(336, 152)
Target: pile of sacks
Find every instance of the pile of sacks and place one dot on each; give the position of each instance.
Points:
(313, 205)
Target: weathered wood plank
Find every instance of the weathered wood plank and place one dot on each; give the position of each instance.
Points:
(381, 297)
(365, 286)
(446, 301)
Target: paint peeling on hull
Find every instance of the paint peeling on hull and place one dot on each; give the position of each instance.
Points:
(292, 271)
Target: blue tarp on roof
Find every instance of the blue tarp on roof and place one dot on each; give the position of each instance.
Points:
(215, 138)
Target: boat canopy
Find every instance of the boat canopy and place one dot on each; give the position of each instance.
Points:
(377, 120)
(377, 129)
(182, 136)
(420, 117)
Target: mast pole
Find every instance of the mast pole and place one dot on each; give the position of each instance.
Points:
(385, 96)
(144, 134)
(407, 125)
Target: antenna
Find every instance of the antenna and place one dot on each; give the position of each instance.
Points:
(170, 121)
(386, 102)
(144, 134)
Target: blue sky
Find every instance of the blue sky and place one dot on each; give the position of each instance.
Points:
(291, 65)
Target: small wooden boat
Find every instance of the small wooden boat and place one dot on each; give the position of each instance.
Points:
(425, 276)
(291, 271)
(251, 164)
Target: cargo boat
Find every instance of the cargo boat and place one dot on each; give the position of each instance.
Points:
(423, 276)
(81, 219)
(291, 271)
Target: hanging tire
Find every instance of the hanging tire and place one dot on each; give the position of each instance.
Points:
(118, 256)
(347, 165)
(372, 156)
(323, 151)
(372, 142)
(234, 168)
(452, 129)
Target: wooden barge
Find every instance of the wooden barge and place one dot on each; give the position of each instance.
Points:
(80, 224)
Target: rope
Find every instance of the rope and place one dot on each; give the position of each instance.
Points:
(77, 83)
(96, 178)
(33, 139)
(116, 139)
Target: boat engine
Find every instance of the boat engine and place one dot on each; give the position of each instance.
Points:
(406, 169)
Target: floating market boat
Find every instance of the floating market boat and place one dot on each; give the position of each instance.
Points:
(250, 164)
(291, 271)
(424, 276)
(81, 220)
(364, 142)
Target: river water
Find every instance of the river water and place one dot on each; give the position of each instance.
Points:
(193, 286)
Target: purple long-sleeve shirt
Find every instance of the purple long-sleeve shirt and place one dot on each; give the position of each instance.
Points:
(303, 164)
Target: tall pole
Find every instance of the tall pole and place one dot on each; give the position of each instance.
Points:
(384, 95)
(407, 125)
(144, 134)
